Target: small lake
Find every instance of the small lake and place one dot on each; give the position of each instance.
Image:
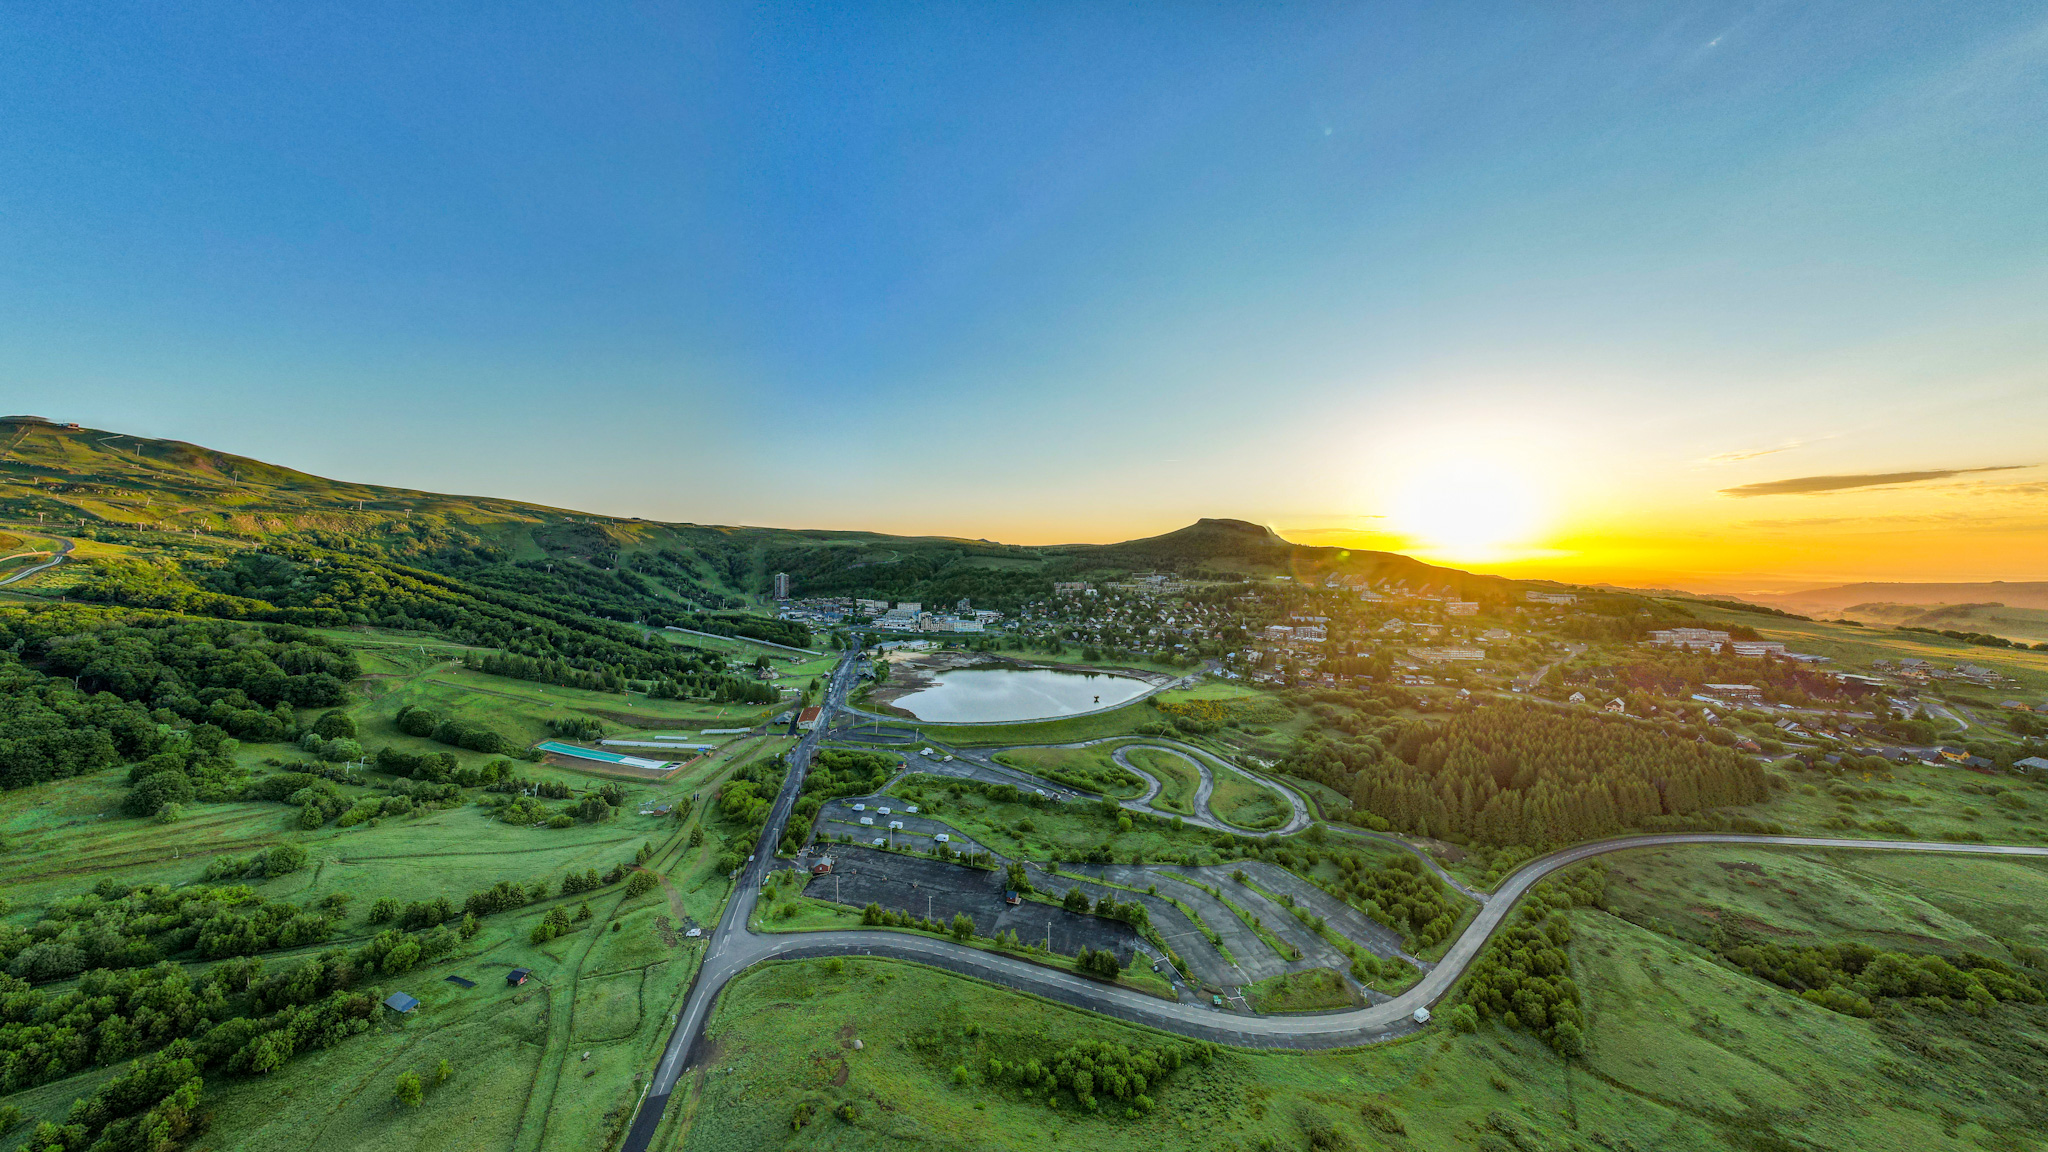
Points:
(995, 695)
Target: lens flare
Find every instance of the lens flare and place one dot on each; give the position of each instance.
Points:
(1467, 509)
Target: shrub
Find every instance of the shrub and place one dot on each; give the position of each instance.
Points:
(283, 859)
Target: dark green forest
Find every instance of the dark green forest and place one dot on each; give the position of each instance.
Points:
(1523, 774)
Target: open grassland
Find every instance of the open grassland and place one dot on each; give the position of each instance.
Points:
(1918, 904)
(1091, 769)
(1933, 803)
(1243, 803)
(1056, 832)
(1178, 780)
(520, 1080)
(517, 709)
(1212, 689)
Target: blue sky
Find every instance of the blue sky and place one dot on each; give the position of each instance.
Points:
(1043, 272)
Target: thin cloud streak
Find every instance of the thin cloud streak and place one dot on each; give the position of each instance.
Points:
(1816, 485)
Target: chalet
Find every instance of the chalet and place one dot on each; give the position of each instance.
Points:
(1979, 764)
(2015, 705)
(1577, 698)
(1616, 706)
(1747, 745)
(517, 976)
(823, 867)
(1954, 755)
(400, 1003)
(2030, 764)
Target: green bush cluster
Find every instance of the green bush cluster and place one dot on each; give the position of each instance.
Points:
(116, 925)
(1523, 978)
(1852, 978)
(415, 720)
(1094, 1069)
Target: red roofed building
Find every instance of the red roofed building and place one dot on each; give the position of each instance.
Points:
(808, 718)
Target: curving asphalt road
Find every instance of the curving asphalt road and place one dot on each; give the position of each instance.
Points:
(52, 562)
(734, 948)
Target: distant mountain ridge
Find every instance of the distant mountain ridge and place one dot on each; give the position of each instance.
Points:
(70, 474)
(2011, 593)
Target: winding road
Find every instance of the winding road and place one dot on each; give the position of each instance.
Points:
(734, 948)
(63, 550)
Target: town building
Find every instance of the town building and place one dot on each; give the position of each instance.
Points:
(1689, 639)
(782, 585)
(1740, 693)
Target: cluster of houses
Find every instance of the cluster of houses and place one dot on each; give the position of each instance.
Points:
(906, 616)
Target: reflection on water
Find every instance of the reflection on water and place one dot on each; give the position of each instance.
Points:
(985, 695)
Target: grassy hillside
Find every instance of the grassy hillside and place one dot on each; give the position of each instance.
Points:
(1682, 1050)
(170, 498)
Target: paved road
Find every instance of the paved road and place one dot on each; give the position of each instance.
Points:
(733, 949)
(63, 550)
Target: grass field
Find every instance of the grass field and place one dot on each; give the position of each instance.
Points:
(1938, 803)
(518, 1054)
(1178, 781)
(1241, 803)
(1091, 769)
(1309, 990)
(515, 709)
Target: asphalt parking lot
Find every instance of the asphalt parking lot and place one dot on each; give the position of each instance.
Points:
(925, 887)
(838, 818)
(1206, 966)
(1315, 951)
(1345, 920)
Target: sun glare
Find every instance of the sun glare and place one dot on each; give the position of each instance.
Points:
(1467, 509)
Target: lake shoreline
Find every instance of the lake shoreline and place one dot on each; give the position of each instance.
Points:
(922, 673)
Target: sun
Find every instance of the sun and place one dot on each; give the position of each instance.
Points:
(1467, 508)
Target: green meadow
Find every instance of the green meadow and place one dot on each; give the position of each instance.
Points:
(1683, 1051)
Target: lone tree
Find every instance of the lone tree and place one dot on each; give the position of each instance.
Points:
(409, 1092)
(963, 926)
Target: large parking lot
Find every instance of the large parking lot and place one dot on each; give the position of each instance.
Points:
(930, 888)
